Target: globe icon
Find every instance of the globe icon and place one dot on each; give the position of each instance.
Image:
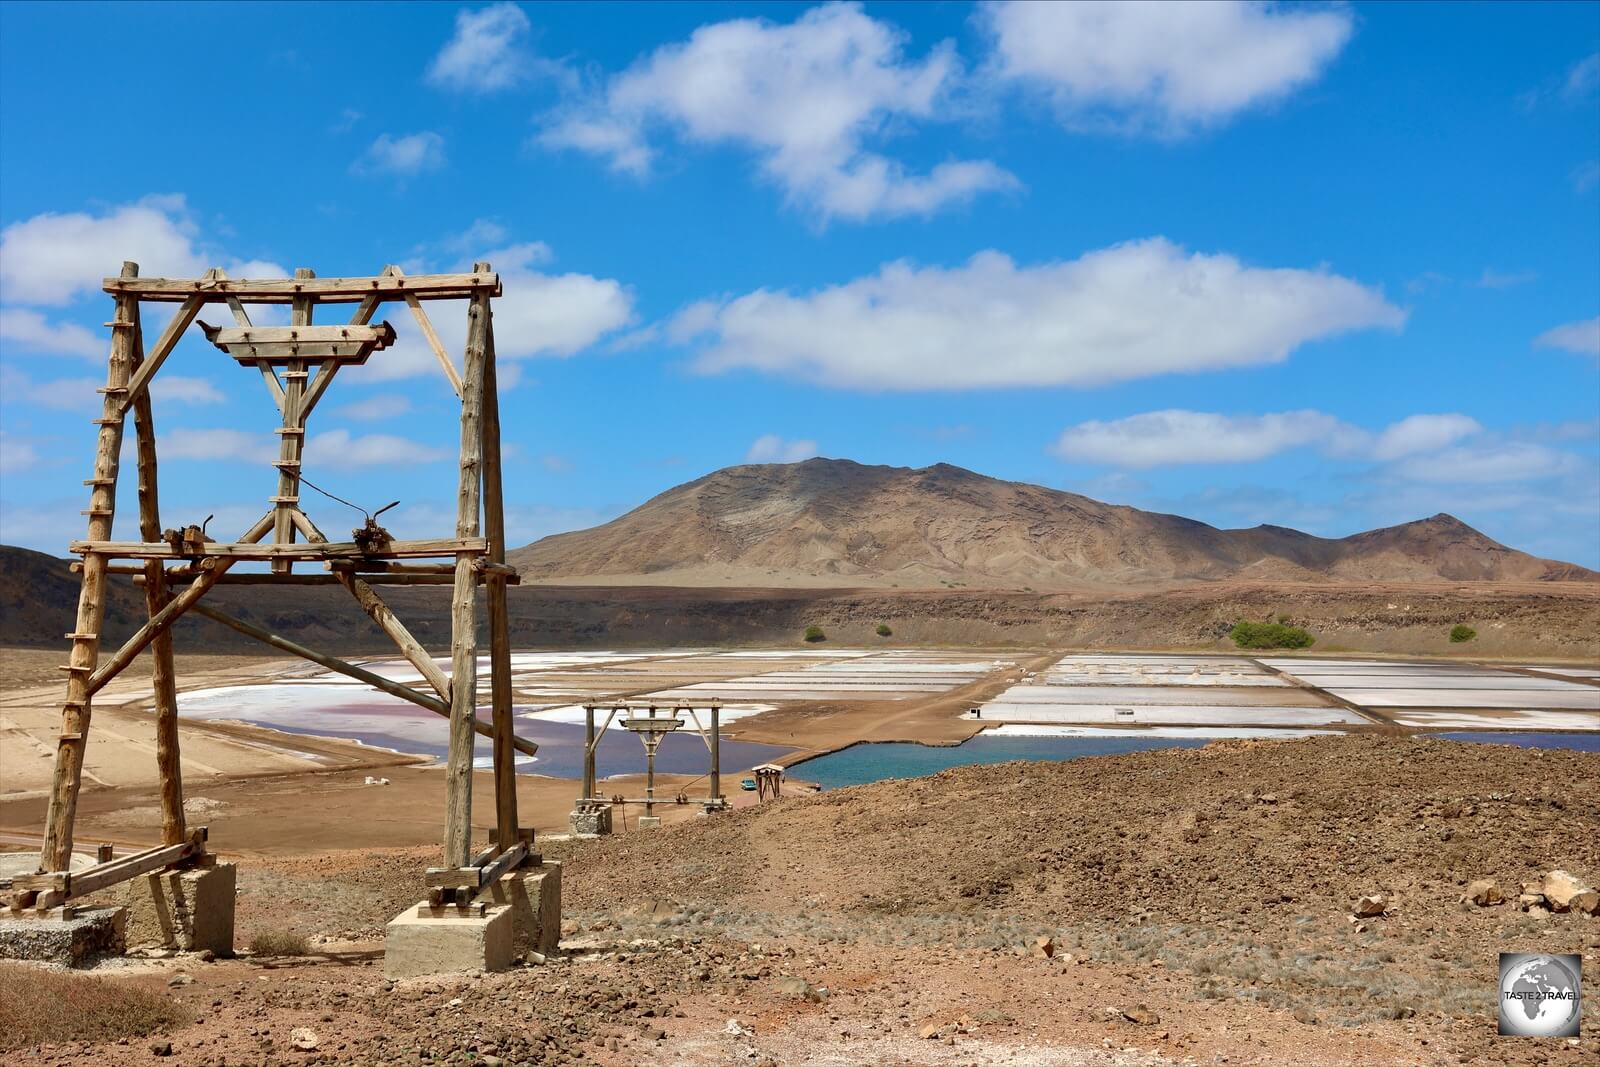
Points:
(1539, 997)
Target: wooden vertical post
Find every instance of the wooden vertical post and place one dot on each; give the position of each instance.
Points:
(463, 603)
(291, 443)
(588, 751)
(163, 678)
(494, 521)
(56, 854)
(716, 753)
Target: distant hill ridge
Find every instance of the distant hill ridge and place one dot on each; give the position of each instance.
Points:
(834, 522)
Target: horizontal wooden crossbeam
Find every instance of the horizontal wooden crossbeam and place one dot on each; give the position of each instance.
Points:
(274, 345)
(448, 546)
(479, 875)
(318, 290)
(92, 879)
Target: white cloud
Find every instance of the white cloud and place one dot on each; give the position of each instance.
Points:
(487, 52)
(1422, 433)
(381, 406)
(1583, 78)
(1120, 313)
(403, 156)
(341, 449)
(61, 394)
(16, 454)
(32, 332)
(1499, 462)
(804, 96)
(1581, 337)
(1172, 437)
(770, 448)
(1166, 67)
(50, 259)
(216, 444)
(1161, 438)
(539, 314)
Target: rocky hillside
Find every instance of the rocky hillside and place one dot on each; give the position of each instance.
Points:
(828, 522)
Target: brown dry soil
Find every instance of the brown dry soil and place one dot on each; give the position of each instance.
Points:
(1211, 886)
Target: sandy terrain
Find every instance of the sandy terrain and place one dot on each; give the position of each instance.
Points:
(1198, 900)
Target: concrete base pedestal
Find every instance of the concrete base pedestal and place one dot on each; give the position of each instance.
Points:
(649, 822)
(188, 910)
(70, 942)
(592, 823)
(417, 945)
(534, 896)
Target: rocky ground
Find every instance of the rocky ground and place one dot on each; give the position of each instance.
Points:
(1176, 907)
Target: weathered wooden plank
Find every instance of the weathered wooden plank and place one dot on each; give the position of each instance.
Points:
(445, 546)
(163, 678)
(158, 624)
(156, 356)
(463, 602)
(494, 518)
(426, 325)
(56, 851)
(390, 624)
(320, 290)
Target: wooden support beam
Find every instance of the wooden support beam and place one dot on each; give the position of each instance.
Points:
(158, 624)
(463, 601)
(157, 355)
(291, 445)
(319, 290)
(235, 578)
(350, 670)
(163, 677)
(448, 546)
(81, 883)
(483, 871)
(56, 851)
(387, 621)
(494, 520)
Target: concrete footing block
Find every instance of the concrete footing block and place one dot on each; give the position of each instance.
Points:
(417, 945)
(189, 910)
(649, 822)
(594, 822)
(91, 932)
(534, 896)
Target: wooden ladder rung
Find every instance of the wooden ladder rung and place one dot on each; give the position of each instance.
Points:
(99, 481)
(70, 667)
(117, 324)
(107, 422)
(70, 737)
(284, 499)
(296, 374)
(286, 463)
(74, 636)
(112, 389)
(290, 430)
(96, 512)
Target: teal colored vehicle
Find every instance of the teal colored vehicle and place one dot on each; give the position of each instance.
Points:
(747, 784)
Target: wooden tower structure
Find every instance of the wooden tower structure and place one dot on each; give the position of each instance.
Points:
(177, 567)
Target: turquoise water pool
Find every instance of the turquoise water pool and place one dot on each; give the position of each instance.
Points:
(864, 763)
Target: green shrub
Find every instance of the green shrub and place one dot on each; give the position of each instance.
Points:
(884, 631)
(1461, 633)
(814, 633)
(1270, 635)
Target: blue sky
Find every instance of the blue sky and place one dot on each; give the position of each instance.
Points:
(1326, 266)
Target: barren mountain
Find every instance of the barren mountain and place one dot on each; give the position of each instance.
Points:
(829, 522)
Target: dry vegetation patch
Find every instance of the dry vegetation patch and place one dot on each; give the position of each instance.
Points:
(39, 1006)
